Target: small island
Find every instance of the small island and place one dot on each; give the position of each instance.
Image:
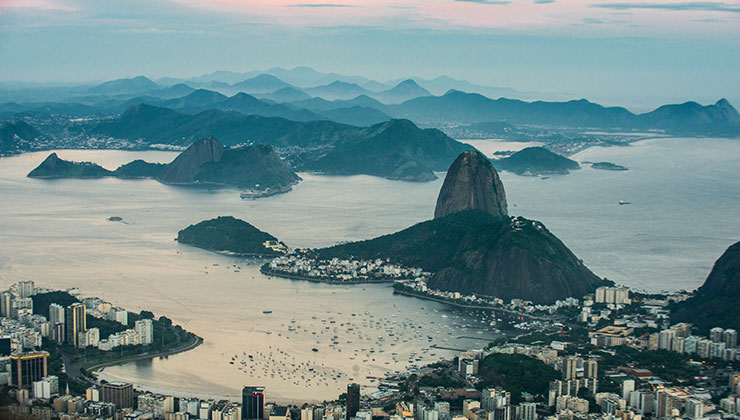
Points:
(257, 168)
(533, 161)
(608, 166)
(232, 236)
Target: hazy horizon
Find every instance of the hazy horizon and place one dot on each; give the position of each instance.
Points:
(635, 54)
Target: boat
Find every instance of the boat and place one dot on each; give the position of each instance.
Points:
(622, 202)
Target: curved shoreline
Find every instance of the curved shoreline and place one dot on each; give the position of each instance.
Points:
(463, 306)
(267, 272)
(96, 366)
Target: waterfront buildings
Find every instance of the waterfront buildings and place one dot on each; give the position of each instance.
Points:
(145, 329)
(253, 403)
(353, 400)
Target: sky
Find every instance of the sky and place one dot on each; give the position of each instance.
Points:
(633, 53)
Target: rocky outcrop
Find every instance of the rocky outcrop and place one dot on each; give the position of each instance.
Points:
(472, 252)
(725, 275)
(205, 162)
(715, 303)
(472, 183)
(186, 166)
(54, 167)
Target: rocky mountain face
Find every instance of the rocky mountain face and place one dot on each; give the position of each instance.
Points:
(472, 183)
(715, 303)
(472, 246)
(473, 252)
(186, 166)
(725, 275)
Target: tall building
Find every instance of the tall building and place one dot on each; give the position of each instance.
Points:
(145, 329)
(665, 339)
(6, 304)
(120, 394)
(488, 396)
(56, 317)
(74, 322)
(253, 403)
(592, 369)
(26, 289)
(25, 369)
(715, 334)
(694, 408)
(528, 411)
(569, 367)
(353, 400)
(730, 338)
(628, 386)
(703, 347)
(663, 404)
(690, 344)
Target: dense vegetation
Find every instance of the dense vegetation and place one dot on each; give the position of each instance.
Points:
(41, 301)
(516, 373)
(439, 378)
(228, 234)
(706, 311)
(473, 252)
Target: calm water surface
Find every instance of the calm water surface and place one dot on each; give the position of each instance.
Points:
(685, 196)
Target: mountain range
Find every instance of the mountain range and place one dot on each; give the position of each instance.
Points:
(395, 149)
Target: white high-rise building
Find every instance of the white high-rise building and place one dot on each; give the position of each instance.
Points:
(46, 388)
(56, 314)
(628, 386)
(119, 315)
(729, 336)
(665, 339)
(694, 408)
(715, 334)
(145, 329)
(25, 289)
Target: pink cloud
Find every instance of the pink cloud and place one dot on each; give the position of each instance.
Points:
(34, 4)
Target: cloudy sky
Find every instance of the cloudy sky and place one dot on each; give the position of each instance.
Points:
(634, 53)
